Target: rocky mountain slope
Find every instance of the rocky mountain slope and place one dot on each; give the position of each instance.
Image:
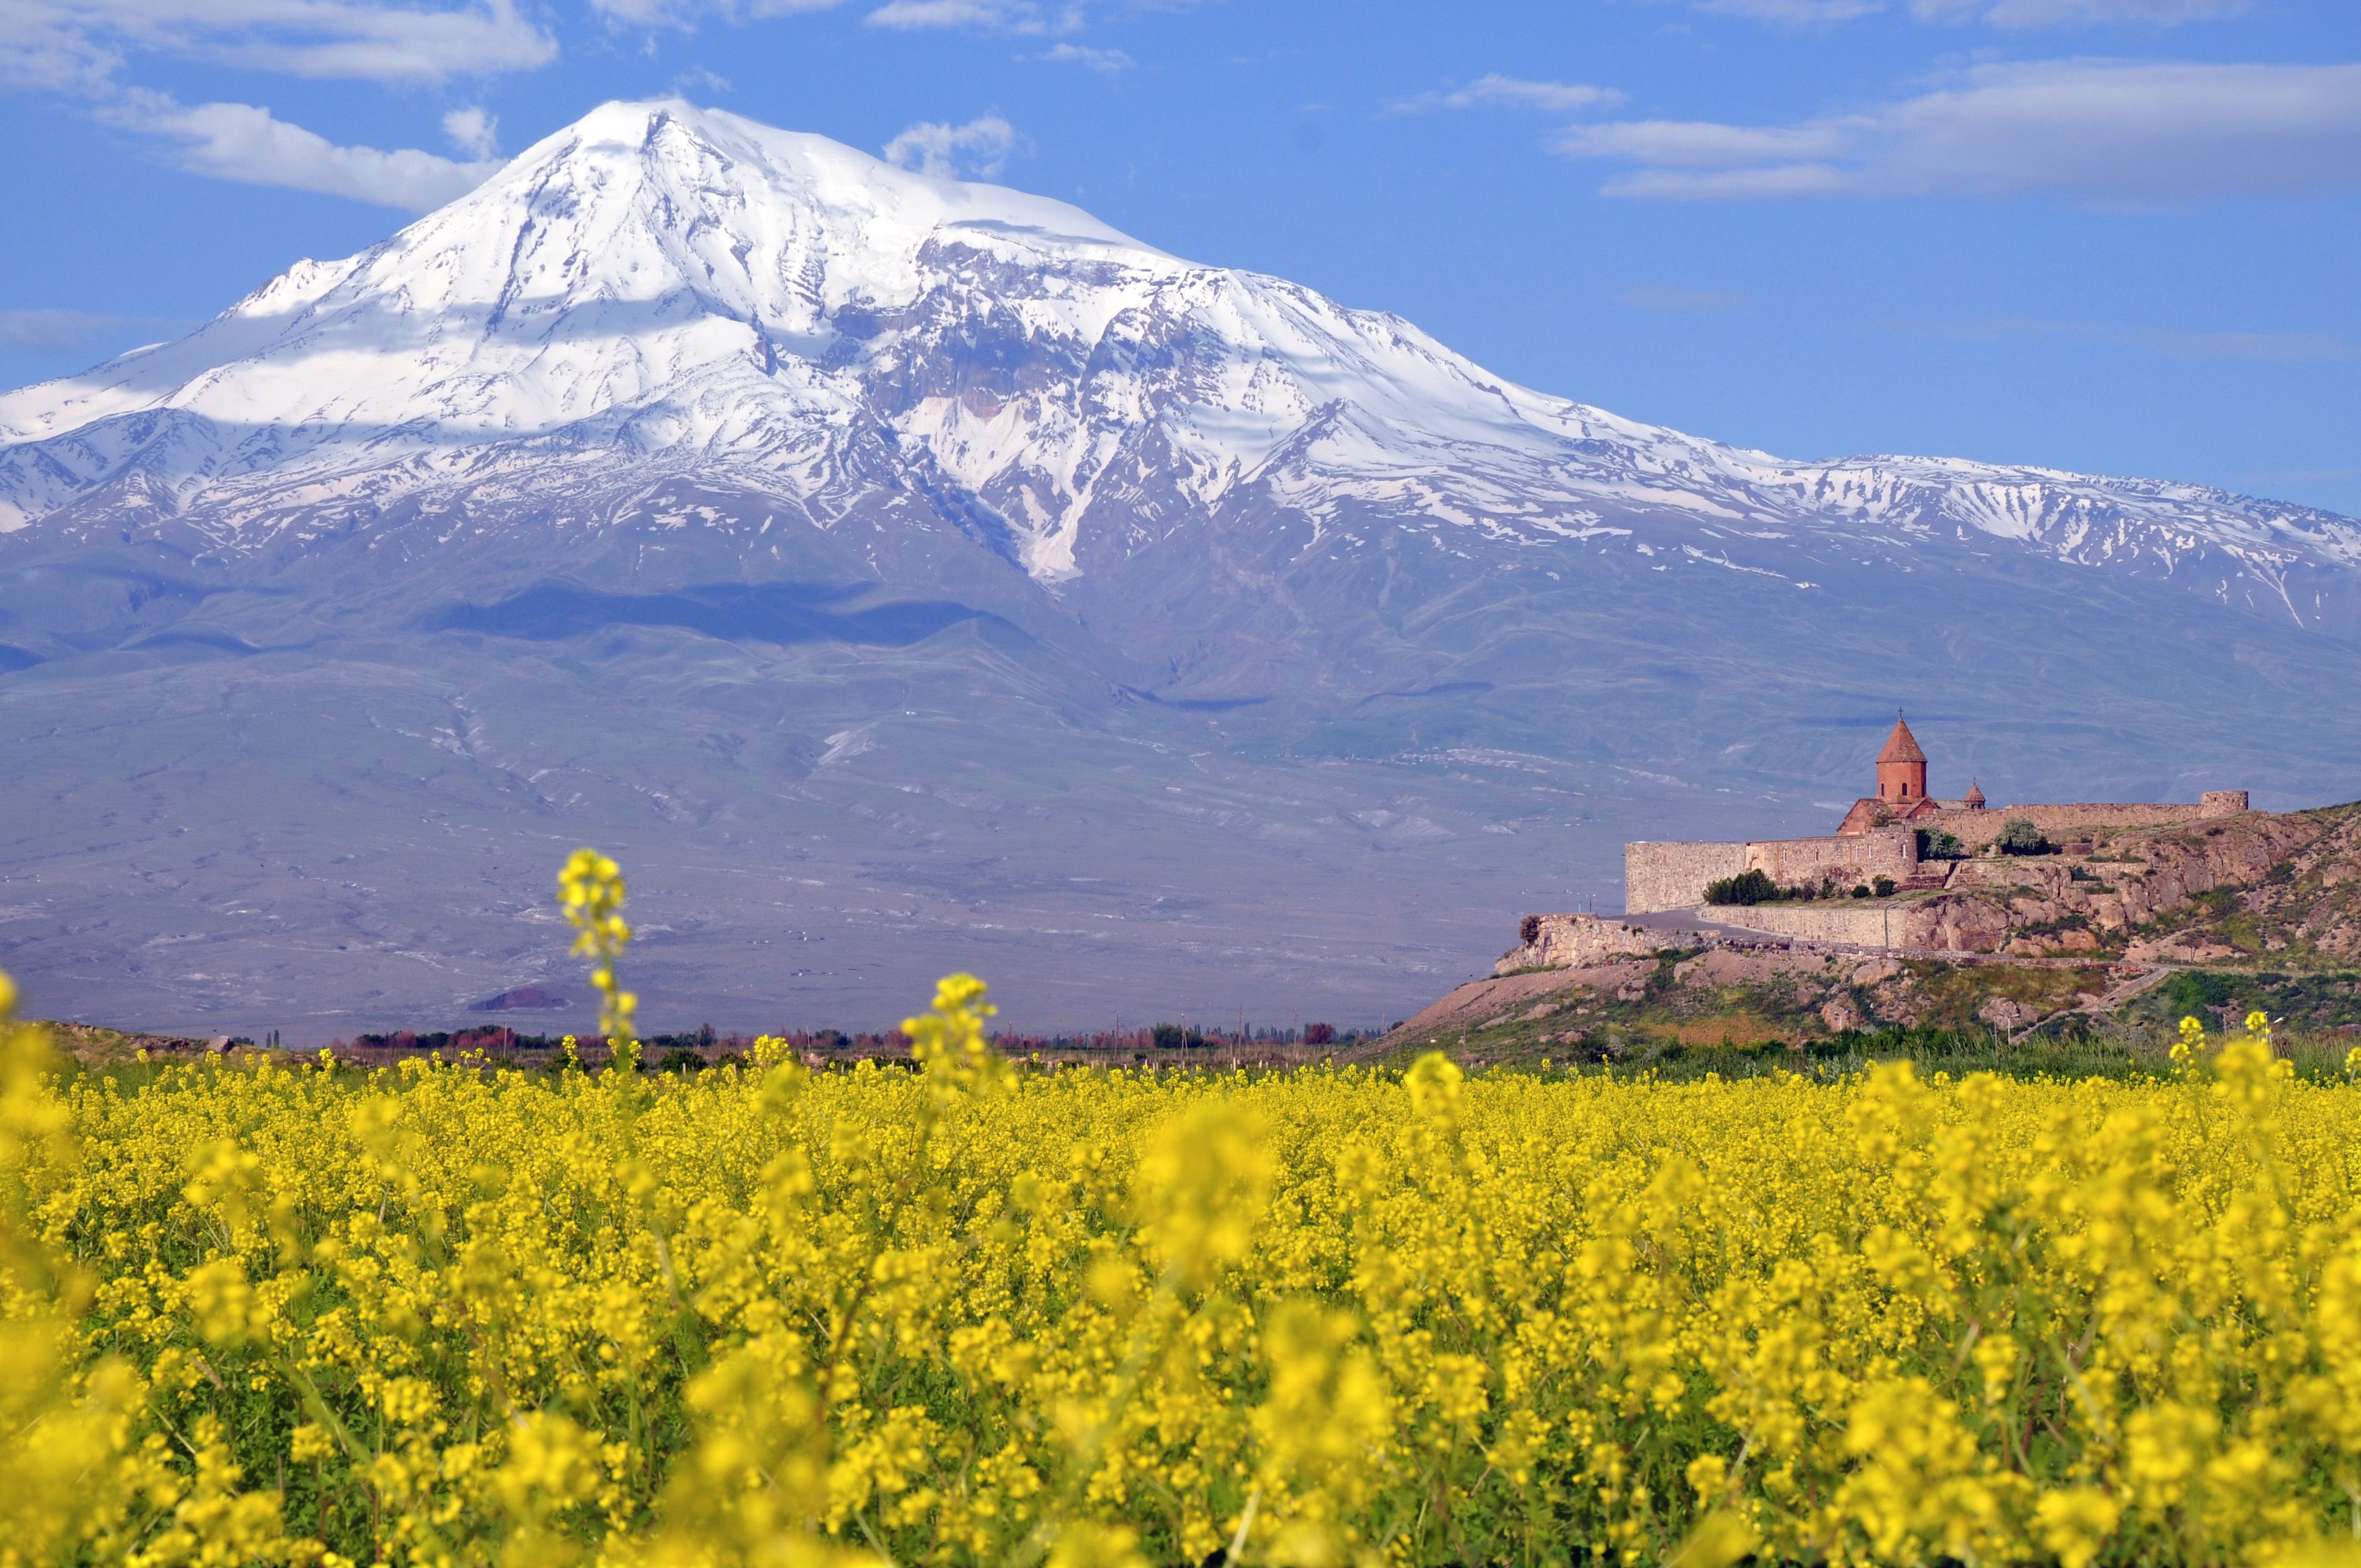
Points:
(923, 573)
(2300, 911)
(2258, 888)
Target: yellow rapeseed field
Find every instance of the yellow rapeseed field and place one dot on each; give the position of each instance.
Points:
(984, 1314)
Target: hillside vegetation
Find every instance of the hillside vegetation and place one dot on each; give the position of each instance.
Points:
(2304, 912)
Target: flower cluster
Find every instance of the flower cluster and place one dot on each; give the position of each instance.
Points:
(450, 1313)
(590, 890)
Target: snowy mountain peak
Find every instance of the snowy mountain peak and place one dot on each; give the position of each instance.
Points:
(641, 224)
(664, 289)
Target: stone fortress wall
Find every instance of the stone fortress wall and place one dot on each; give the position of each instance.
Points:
(1864, 857)
(1673, 876)
(1660, 877)
(1880, 924)
(2069, 824)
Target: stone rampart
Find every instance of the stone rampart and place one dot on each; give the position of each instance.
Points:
(1659, 876)
(2067, 824)
(1813, 863)
(1860, 924)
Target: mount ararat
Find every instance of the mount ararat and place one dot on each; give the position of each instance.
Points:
(900, 574)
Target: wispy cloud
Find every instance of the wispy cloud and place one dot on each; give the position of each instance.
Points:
(473, 131)
(686, 14)
(999, 16)
(2014, 15)
(2026, 13)
(82, 45)
(85, 48)
(71, 331)
(980, 147)
(1656, 297)
(1515, 93)
(243, 142)
(2103, 131)
(1792, 13)
(2269, 348)
(2302, 476)
(1107, 61)
(1051, 16)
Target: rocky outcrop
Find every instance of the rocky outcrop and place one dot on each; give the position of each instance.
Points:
(2255, 884)
(1576, 941)
(2103, 901)
(2303, 911)
(1483, 1003)
(1724, 994)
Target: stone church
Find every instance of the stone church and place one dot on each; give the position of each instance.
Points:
(1881, 836)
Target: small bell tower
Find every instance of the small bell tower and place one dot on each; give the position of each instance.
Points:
(1901, 767)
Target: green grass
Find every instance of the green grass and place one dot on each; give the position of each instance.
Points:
(2312, 1002)
(2092, 1051)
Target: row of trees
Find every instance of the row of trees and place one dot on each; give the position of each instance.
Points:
(1756, 887)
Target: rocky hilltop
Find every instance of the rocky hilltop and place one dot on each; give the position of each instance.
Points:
(2130, 932)
(2262, 887)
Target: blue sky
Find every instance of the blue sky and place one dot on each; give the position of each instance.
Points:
(2113, 236)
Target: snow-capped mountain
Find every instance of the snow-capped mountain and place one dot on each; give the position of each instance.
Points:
(905, 574)
(666, 291)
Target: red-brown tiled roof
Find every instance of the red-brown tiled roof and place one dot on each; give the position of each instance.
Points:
(1901, 746)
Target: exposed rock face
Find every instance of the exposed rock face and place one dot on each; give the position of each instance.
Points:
(1482, 1002)
(2064, 905)
(1725, 994)
(1576, 941)
(2305, 908)
(2004, 1013)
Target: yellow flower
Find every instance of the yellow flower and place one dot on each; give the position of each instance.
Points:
(452, 1313)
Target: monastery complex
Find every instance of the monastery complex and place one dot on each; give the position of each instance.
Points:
(1884, 837)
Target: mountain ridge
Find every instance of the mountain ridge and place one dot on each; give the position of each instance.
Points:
(781, 355)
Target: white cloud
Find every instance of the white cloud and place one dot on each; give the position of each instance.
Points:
(2269, 348)
(68, 332)
(688, 13)
(1657, 297)
(981, 146)
(81, 45)
(1002, 15)
(1698, 144)
(2009, 13)
(473, 131)
(1510, 91)
(2073, 13)
(1793, 12)
(242, 142)
(1108, 61)
(2095, 130)
(1005, 15)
